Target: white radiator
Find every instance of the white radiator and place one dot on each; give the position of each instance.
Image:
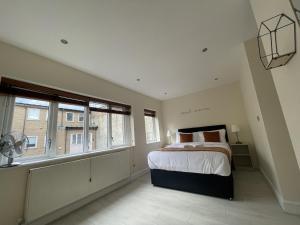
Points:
(53, 187)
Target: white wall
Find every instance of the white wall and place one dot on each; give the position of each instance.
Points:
(256, 123)
(221, 105)
(24, 65)
(286, 78)
(274, 147)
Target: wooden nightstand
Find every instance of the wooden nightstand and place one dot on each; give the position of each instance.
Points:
(241, 156)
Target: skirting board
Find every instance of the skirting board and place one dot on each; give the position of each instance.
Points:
(76, 205)
(290, 207)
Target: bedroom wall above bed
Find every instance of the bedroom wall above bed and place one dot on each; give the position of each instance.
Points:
(221, 105)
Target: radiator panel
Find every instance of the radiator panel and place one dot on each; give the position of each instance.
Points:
(109, 169)
(53, 187)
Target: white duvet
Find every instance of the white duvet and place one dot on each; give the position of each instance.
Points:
(192, 161)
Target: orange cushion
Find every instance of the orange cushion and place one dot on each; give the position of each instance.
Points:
(212, 136)
(186, 137)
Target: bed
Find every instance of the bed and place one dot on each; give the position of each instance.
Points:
(201, 172)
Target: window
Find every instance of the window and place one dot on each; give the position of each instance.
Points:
(70, 117)
(32, 142)
(108, 123)
(151, 126)
(117, 127)
(82, 123)
(80, 117)
(69, 136)
(150, 129)
(25, 108)
(79, 139)
(33, 114)
(99, 128)
(76, 139)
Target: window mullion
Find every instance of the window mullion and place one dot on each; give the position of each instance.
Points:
(109, 131)
(154, 128)
(127, 130)
(157, 133)
(52, 129)
(86, 125)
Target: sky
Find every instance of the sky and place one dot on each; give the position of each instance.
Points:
(46, 104)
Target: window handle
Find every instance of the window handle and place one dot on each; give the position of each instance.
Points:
(49, 143)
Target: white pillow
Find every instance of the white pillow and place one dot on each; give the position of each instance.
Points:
(198, 136)
(222, 135)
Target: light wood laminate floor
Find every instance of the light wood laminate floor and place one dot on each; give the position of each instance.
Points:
(139, 203)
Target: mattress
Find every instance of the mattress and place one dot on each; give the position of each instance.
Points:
(204, 162)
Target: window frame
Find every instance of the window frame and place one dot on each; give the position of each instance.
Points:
(50, 141)
(35, 144)
(76, 138)
(79, 116)
(9, 108)
(90, 141)
(11, 91)
(72, 117)
(155, 125)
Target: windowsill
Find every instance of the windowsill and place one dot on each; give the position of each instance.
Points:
(40, 161)
(152, 142)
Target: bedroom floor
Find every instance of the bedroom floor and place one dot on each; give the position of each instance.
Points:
(139, 203)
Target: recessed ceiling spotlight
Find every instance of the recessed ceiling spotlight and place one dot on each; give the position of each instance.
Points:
(64, 41)
(204, 49)
(138, 79)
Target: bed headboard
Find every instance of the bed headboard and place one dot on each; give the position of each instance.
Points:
(206, 128)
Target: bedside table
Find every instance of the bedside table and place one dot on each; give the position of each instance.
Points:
(241, 156)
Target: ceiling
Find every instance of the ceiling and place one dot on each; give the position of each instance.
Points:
(158, 41)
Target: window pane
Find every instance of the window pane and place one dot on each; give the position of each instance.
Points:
(74, 139)
(150, 126)
(117, 108)
(69, 116)
(98, 130)
(33, 114)
(79, 139)
(117, 127)
(80, 117)
(69, 135)
(98, 105)
(32, 142)
(29, 118)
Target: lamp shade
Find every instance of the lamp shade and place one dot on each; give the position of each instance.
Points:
(235, 128)
(168, 133)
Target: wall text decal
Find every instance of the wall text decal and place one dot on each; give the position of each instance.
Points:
(194, 111)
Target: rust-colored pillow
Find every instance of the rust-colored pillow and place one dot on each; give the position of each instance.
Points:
(213, 136)
(186, 137)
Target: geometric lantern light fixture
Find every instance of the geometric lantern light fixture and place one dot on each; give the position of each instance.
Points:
(276, 41)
